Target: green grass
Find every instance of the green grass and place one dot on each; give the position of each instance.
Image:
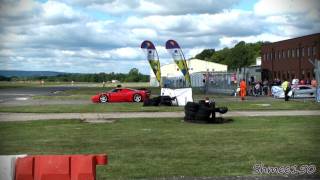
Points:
(83, 108)
(271, 105)
(145, 148)
(138, 107)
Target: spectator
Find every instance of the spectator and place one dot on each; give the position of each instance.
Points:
(257, 88)
(314, 83)
(265, 87)
(243, 89)
(286, 88)
(295, 83)
(308, 82)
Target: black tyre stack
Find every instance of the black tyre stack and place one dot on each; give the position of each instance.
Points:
(202, 112)
(159, 100)
(190, 110)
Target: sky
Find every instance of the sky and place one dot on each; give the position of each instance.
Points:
(92, 36)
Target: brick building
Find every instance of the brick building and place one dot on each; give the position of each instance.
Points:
(290, 58)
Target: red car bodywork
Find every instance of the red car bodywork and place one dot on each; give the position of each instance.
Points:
(121, 95)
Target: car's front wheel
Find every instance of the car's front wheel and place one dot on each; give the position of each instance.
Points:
(103, 99)
(137, 98)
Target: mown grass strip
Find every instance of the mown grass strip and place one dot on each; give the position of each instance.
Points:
(147, 148)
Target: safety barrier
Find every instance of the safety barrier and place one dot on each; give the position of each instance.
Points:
(7, 166)
(57, 167)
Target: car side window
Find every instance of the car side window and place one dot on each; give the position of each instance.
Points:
(115, 90)
(304, 87)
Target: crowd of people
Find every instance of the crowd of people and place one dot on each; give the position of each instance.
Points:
(263, 88)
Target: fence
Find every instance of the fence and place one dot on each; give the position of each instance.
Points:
(220, 82)
(211, 82)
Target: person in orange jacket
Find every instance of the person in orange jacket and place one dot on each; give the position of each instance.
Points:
(243, 89)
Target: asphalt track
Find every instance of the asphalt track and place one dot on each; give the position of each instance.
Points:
(23, 96)
(13, 93)
(107, 117)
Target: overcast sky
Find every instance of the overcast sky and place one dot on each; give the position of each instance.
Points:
(91, 36)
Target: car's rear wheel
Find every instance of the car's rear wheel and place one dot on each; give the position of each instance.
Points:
(103, 98)
(137, 98)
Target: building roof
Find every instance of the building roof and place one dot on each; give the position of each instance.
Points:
(194, 66)
(296, 38)
(192, 60)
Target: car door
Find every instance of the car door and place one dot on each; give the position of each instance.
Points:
(126, 95)
(116, 95)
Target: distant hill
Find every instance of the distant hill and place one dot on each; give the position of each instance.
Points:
(11, 73)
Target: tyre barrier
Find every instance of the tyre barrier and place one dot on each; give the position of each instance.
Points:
(54, 167)
(203, 112)
(159, 100)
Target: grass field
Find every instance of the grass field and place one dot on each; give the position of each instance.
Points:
(82, 108)
(144, 148)
(138, 107)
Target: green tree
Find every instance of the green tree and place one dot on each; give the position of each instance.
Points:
(133, 75)
(241, 56)
(205, 54)
(221, 56)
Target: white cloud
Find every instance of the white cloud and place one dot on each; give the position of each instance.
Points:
(231, 41)
(54, 9)
(163, 7)
(283, 7)
(126, 53)
(68, 36)
(17, 8)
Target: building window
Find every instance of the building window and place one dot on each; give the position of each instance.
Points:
(283, 54)
(314, 50)
(269, 56)
(298, 52)
(302, 52)
(279, 55)
(309, 51)
(274, 55)
(293, 53)
(288, 53)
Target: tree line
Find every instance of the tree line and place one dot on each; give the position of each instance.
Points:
(132, 76)
(241, 55)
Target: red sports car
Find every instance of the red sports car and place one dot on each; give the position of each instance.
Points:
(121, 95)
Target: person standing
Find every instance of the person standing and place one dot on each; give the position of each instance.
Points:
(243, 89)
(314, 83)
(286, 89)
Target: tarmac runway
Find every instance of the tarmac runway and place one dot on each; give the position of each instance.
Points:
(23, 96)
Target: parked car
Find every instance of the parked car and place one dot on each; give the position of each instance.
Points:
(301, 91)
(121, 95)
(304, 91)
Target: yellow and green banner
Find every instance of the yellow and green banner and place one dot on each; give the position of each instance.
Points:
(153, 58)
(174, 49)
